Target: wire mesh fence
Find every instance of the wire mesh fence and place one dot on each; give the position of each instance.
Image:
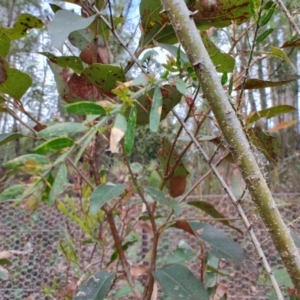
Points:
(39, 267)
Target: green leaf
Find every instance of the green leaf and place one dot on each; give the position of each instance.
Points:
(96, 287)
(104, 76)
(268, 15)
(12, 192)
(224, 78)
(178, 282)
(165, 35)
(220, 245)
(174, 51)
(29, 163)
(267, 144)
(180, 85)
(55, 8)
(130, 131)
(181, 255)
(55, 144)
(253, 83)
(269, 113)
(7, 137)
(5, 44)
(82, 39)
(295, 237)
(126, 290)
(63, 23)
(151, 15)
(222, 13)
(3, 273)
(254, 8)
(85, 108)
(282, 277)
(62, 129)
(222, 61)
(160, 197)
(155, 111)
(16, 83)
(277, 52)
(72, 62)
(58, 184)
(5, 261)
(211, 210)
(103, 194)
(61, 75)
(171, 97)
(264, 35)
(24, 23)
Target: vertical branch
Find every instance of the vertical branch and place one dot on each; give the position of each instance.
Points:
(188, 35)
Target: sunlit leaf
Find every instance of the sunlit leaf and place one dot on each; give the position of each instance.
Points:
(7, 137)
(277, 52)
(85, 108)
(24, 23)
(178, 282)
(5, 44)
(60, 180)
(13, 82)
(96, 287)
(55, 144)
(63, 23)
(130, 131)
(155, 112)
(254, 83)
(117, 132)
(62, 129)
(220, 245)
(160, 197)
(282, 125)
(103, 194)
(269, 113)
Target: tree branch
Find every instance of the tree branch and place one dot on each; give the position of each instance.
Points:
(232, 130)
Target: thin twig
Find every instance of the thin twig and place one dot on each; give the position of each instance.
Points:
(150, 282)
(120, 40)
(239, 208)
(289, 16)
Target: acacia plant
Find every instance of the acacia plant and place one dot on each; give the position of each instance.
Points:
(110, 101)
